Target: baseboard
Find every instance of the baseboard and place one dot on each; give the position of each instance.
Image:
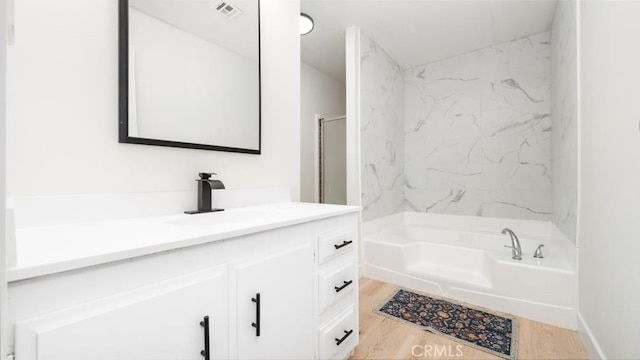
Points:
(588, 340)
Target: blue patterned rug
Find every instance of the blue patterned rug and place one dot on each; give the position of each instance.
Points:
(480, 329)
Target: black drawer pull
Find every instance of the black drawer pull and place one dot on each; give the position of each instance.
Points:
(346, 283)
(346, 335)
(344, 243)
(257, 323)
(205, 325)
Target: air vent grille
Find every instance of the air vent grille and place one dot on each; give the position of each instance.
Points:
(227, 9)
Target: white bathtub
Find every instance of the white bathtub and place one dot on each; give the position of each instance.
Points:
(464, 258)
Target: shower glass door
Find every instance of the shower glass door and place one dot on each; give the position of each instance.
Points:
(333, 160)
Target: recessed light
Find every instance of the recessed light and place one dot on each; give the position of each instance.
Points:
(306, 24)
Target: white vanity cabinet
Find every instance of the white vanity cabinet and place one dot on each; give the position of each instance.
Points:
(267, 294)
(155, 322)
(337, 276)
(275, 306)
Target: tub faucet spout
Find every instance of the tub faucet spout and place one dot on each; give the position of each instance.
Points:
(516, 250)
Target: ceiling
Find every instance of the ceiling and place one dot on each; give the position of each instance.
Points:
(199, 17)
(417, 32)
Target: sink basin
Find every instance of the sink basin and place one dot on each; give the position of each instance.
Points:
(225, 218)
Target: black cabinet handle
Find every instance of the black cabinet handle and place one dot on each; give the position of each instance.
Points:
(205, 325)
(346, 335)
(344, 243)
(346, 283)
(257, 323)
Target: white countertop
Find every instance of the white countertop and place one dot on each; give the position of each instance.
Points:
(51, 249)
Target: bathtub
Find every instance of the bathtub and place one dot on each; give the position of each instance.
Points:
(464, 258)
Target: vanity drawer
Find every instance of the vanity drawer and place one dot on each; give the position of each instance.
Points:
(334, 244)
(336, 282)
(338, 334)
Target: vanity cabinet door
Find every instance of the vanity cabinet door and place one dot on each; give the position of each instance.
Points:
(160, 321)
(283, 329)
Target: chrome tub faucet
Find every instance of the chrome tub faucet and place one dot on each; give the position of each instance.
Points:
(516, 250)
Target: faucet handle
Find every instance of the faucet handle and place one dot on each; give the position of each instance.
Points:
(517, 253)
(538, 253)
(205, 175)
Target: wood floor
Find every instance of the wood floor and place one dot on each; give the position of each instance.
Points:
(384, 338)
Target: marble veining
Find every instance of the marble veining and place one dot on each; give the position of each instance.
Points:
(382, 150)
(477, 132)
(564, 91)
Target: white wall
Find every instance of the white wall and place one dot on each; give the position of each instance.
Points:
(478, 132)
(3, 244)
(62, 116)
(609, 206)
(381, 127)
(353, 74)
(564, 115)
(321, 95)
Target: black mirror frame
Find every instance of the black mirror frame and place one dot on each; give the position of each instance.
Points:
(123, 94)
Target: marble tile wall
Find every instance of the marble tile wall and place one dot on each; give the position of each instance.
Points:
(477, 133)
(381, 137)
(564, 95)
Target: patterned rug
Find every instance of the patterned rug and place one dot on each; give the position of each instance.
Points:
(480, 329)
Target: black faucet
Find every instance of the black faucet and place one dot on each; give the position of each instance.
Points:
(205, 185)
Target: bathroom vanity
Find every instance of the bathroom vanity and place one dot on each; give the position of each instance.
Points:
(271, 281)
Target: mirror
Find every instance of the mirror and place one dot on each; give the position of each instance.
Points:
(190, 74)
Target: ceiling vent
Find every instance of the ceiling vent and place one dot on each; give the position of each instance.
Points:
(227, 9)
